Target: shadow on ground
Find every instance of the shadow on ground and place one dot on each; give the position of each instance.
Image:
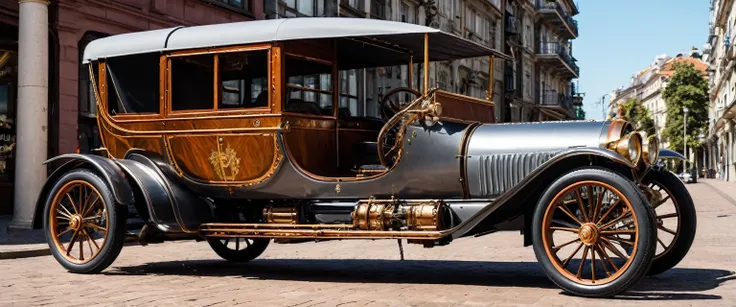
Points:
(676, 284)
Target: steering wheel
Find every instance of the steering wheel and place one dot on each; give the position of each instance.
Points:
(389, 107)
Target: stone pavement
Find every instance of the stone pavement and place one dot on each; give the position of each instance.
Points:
(21, 243)
(486, 271)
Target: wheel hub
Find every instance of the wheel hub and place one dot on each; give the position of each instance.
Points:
(76, 222)
(589, 234)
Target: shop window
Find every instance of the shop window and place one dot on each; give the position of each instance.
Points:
(8, 77)
(133, 84)
(241, 5)
(378, 8)
(295, 8)
(243, 78)
(309, 87)
(192, 82)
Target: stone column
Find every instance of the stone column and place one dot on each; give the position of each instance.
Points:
(32, 118)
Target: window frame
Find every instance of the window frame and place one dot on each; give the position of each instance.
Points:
(246, 6)
(317, 91)
(295, 10)
(166, 58)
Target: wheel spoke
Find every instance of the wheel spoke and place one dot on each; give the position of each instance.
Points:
(91, 205)
(597, 249)
(616, 220)
(63, 232)
(564, 209)
(618, 231)
(591, 203)
(91, 240)
(85, 204)
(662, 243)
(582, 262)
(592, 263)
(96, 227)
(605, 215)
(63, 216)
(660, 202)
(580, 204)
(564, 229)
(247, 242)
(596, 210)
(81, 246)
(81, 194)
(72, 202)
(71, 243)
(557, 248)
(672, 232)
(667, 216)
(620, 240)
(237, 244)
(615, 250)
(567, 261)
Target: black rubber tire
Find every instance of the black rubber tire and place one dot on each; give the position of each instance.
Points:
(244, 255)
(688, 220)
(116, 222)
(647, 233)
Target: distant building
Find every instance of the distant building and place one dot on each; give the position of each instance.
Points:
(648, 85)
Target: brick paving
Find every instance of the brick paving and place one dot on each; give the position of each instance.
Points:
(491, 270)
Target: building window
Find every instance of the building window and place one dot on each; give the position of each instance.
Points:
(349, 92)
(296, 8)
(235, 4)
(243, 78)
(378, 8)
(404, 12)
(309, 87)
(353, 4)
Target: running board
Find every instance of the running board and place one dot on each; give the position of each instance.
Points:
(310, 231)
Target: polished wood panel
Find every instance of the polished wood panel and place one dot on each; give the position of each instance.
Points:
(460, 107)
(311, 142)
(224, 158)
(311, 49)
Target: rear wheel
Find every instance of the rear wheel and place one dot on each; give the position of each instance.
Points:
(594, 233)
(238, 249)
(85, 228)
(675, 217)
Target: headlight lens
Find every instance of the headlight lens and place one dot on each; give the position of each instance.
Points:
(630, 147)
(651, 150)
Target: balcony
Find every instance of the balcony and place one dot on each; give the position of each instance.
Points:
(557, 101)
(557, 56)
(563, 24)
(512, 25)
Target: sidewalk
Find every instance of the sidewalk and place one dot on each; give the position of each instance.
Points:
(723, 188)
(21, 243)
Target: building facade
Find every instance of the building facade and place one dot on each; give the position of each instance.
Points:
(720, 151)
(647, 87)
(65, 93)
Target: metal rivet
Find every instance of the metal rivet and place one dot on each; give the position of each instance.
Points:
(413, 134)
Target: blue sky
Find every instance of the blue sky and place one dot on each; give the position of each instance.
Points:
(618, 38)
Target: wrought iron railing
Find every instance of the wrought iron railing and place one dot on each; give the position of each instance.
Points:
(560, 50)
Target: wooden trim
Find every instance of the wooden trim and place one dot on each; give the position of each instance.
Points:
(216, 79)
(200, 51)
(468, 99)
(163, 90)
(426, 63)
(411, 72)
(316, 90)
(310, 116)
(277, 73)
(308, 58)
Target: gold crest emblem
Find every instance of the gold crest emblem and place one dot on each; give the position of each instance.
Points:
(226, 164)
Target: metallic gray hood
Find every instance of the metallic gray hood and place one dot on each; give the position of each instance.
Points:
(501, 155)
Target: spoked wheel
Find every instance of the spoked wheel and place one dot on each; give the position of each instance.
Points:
(238, 249)
(84, 227)
(675, 217)
(594, 233)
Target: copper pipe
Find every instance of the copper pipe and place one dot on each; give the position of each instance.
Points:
(492, 62)
(299, 233)
(411, 72)
(426, 63)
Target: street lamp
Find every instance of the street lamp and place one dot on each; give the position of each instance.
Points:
(684, 138)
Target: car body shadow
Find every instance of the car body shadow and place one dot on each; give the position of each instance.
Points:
(676, 284)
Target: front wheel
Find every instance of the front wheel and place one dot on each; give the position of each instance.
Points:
(85, 228)
(675, 217)
(594, 233)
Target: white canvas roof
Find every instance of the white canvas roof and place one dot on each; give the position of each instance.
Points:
(443, 46)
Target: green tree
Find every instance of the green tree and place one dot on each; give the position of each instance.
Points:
(686, 88)
(640, 116)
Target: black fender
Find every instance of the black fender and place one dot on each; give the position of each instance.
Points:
(665, 153)
(171, 206)
(110, 172)
(523, 197)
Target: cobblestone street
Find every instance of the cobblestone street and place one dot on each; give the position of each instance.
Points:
(490, 270)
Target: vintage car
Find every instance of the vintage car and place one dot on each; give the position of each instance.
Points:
(241, 133)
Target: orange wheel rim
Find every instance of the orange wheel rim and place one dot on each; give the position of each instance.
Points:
(78, 222)
(588, 219)
(664, 218)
